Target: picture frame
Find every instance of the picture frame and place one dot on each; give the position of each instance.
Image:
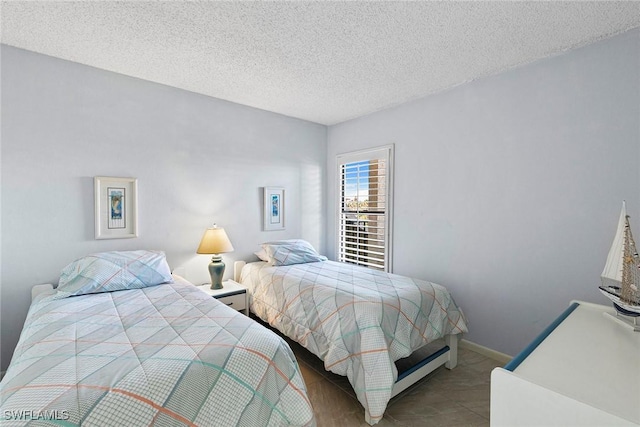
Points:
(274, 208)
(116, 207)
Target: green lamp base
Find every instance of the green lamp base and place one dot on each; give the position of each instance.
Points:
(216, 271)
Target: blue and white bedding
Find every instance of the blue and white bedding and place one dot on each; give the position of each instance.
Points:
(359, 321)
(166, 355)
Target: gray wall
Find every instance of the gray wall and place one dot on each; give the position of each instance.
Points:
(197, 160)
(508, 189)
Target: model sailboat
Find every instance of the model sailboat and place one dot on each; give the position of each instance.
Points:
(621, 274)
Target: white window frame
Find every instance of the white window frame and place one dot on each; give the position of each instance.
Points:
(386, 152)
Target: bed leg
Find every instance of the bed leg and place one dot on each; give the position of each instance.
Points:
(452, 341)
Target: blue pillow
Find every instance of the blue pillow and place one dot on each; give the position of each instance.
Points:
(114, 271)
(288, 252)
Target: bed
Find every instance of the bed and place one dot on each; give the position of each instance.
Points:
(359, 321)
(95, 353)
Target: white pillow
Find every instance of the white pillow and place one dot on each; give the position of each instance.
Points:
(288, 252)
(114, 271)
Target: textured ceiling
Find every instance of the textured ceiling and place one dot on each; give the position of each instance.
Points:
(326, 62)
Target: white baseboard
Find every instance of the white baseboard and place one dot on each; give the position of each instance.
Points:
(492, 354)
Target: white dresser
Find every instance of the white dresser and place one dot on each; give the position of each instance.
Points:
(583, 370)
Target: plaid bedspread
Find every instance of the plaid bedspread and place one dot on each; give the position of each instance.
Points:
(167, 355)
(357, 320)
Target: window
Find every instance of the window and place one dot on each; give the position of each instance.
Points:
(364, 207)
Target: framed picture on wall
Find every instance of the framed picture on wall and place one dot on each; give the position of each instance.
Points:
(273, 208)
(116, 207)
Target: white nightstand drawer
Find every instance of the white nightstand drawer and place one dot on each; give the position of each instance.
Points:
(237, 301)
(232, 294)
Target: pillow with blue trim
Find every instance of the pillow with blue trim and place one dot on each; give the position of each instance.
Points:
(114, 271)
(288, 252)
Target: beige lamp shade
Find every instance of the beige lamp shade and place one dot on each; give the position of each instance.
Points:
(215, 241)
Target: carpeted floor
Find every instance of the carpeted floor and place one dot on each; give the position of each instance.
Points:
(458, 397)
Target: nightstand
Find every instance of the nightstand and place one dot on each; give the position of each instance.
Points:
(232, 294)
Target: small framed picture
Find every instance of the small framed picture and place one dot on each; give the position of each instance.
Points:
(116, 207)
(273, 208)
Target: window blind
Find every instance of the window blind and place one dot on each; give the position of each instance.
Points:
(363, 216)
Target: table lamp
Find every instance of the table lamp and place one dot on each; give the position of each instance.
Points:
(215, 242)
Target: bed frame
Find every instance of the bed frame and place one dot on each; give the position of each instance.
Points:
(420, 366)
(46, 288)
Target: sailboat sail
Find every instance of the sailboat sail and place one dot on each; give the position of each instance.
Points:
(612, 273)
